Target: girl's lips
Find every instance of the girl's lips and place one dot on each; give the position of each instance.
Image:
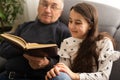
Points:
(74, 31)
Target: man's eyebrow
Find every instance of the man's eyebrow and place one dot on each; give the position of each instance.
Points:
(43, 1)
(55, 4)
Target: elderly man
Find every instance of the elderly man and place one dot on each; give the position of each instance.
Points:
(45, 29)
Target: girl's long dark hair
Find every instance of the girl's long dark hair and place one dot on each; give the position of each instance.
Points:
(87, 51)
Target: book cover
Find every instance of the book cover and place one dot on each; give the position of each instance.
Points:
(34, 49)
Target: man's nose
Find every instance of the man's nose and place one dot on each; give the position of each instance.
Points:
(48, 9)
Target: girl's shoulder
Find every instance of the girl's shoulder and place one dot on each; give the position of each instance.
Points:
(104, 41)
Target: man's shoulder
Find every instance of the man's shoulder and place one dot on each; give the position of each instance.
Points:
(29, 22)
(25, 24)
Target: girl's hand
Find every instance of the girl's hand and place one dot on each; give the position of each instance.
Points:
(52, 73)
(66, 69)
(61, 67)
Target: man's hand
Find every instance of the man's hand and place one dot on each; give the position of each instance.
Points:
(36, 62)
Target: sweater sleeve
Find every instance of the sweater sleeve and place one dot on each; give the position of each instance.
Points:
(105, 47)
(63, 53)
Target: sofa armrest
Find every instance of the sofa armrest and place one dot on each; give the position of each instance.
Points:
(115, 73)
(117, 38)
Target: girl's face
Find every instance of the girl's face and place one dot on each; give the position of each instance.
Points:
(78, 26)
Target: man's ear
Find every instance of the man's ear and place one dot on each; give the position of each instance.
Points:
(61, 12)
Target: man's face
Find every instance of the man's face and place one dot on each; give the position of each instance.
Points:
(49, 10)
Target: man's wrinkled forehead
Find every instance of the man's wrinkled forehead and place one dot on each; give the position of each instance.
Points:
(57, 2)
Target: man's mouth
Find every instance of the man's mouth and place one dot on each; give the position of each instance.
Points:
(47, 15)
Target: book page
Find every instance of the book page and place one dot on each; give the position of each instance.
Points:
(36, 45)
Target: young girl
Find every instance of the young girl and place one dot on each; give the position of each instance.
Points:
(87, 54)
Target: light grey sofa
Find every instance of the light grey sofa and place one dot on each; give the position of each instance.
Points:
(109, 20)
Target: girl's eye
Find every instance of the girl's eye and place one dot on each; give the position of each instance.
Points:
(77, 23)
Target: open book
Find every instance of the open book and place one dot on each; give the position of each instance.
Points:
(34, 49)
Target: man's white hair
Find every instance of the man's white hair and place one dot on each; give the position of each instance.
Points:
(62, 4)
